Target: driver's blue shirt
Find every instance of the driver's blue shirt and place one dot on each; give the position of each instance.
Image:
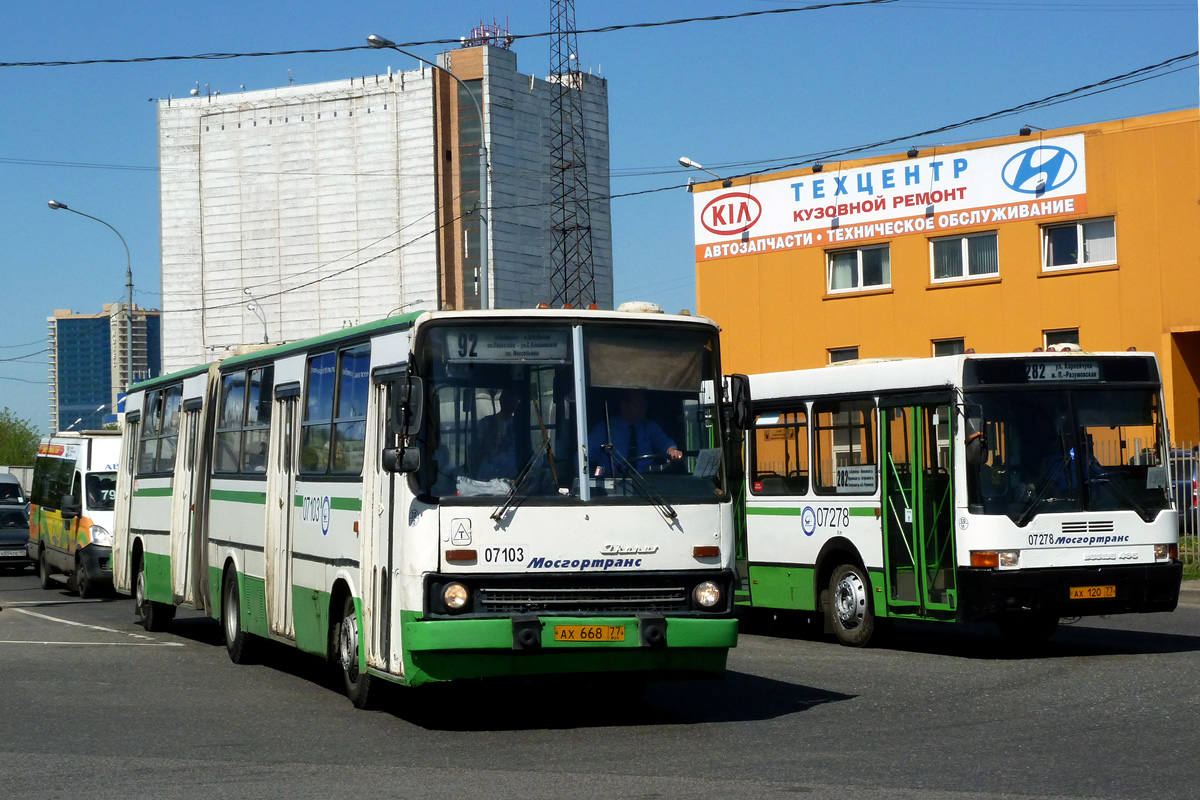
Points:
(642, 438)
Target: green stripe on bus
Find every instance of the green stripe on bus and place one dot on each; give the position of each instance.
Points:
(776, 511)
(228, 495)
(336, 503)
(154, 491)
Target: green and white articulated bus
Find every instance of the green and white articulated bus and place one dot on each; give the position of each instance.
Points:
(1009, 488)
(439, 496)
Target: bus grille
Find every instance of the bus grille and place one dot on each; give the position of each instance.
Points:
(633, 600)
(1088, 526)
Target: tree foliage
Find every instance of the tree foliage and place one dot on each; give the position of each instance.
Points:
(18, 439)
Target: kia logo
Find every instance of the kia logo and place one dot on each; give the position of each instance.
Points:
(1041, 169)
(730, 213)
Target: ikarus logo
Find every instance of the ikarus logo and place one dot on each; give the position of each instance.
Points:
(1039, 169)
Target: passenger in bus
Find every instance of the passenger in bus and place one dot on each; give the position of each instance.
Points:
(633, 436)
(495, 442)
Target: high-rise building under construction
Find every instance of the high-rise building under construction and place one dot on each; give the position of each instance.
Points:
(292, 211)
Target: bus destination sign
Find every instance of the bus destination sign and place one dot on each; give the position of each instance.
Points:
(1073, 370)
(507, 346)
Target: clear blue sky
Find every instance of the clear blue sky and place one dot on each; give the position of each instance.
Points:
(718, 92)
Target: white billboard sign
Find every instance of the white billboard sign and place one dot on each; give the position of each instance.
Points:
(932, 194)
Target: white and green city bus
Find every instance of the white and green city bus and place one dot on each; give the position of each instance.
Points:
(439, 496)
(1009, 488)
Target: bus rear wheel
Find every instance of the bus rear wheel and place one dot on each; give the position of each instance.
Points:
(345, 649)
(849, 607)
(153, 616)
(237, 642)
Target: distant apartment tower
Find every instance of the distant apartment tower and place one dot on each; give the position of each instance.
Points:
(330, 204)
(88, 366)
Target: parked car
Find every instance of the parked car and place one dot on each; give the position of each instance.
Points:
(14, 534)
(1183, 488)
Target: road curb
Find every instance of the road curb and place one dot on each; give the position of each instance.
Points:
(1189, 592)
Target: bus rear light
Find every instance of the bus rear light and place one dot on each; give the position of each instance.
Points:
(982, 559)
(1010, 558)
(462, 555)
(706, 551)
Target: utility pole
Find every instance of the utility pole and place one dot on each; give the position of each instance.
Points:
(572, 276)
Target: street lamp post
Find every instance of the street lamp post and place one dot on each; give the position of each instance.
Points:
(55, 205)
(484, 167)
(684, 161)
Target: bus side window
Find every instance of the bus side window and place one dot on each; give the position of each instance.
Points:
(780, 465)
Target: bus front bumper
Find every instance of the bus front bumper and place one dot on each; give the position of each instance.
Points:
(539, 645)
(991, 594)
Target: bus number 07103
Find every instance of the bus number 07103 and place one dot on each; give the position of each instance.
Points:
(504, 555)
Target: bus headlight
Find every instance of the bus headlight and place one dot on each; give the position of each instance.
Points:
(1166, 551)
(1010, 558)
(455, 596)
(707, 594)
(101, 536)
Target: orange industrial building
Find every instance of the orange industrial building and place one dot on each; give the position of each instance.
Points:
(1088, 235)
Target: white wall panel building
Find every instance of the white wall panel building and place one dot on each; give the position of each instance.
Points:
(337, 203)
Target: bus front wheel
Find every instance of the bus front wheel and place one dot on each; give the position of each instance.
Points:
(849, 607)
(345, 641)
(43, 570)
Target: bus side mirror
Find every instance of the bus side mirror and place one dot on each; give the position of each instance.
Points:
(739, 400)
(401, 459)
(976, 449)
(407, 395)
(70, 508)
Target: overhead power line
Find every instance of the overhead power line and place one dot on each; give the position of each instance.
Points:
(543, 34)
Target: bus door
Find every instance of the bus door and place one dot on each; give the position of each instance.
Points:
(183, 507)
(281, 489)
(124, 506)
(380, 509)
(918, 519)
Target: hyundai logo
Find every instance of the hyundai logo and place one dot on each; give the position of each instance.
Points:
(1040, 169)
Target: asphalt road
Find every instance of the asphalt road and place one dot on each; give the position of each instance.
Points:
(94, 707)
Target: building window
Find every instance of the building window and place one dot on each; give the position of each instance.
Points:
(958, 257)
(837, 354)
(949, 347)
(1088, 243)
(860, 268)
(1060, 336)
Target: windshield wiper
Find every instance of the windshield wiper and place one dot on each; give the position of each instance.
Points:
(637, 480)
(1104, 477)
(1043, 487)
(522, 476)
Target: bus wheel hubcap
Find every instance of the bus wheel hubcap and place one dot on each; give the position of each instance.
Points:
(349, 649)
(851, 600)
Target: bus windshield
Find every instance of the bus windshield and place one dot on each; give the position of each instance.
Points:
(504, 414)
(1094, 449)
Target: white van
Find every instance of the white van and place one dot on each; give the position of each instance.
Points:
(71, 509)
